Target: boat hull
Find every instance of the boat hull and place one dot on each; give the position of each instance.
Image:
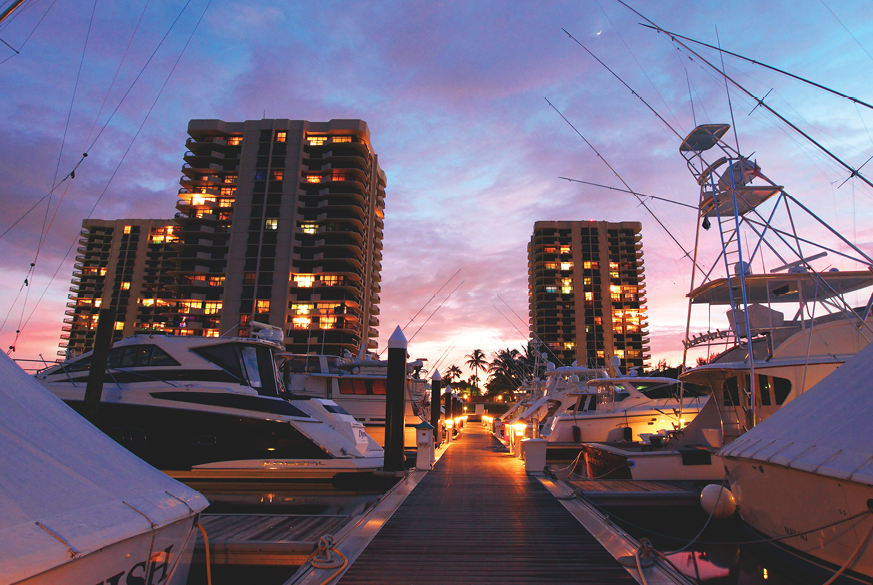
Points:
(165, 560)
(770, 498)
(615, 462)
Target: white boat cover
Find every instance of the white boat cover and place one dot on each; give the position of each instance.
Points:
(533, 408)
(58, 470)
(826, 430)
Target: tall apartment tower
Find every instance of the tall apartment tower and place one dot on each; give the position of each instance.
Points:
(587, 292)
(281, 222)
(123, 264)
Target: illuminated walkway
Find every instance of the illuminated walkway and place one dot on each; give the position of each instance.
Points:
(478, 518)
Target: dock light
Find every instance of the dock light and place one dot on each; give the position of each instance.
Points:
(271, 448)
(681, 421)
(519, 427)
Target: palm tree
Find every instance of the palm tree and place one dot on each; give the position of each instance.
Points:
(453, 373)
(506, 368)
(478, 362)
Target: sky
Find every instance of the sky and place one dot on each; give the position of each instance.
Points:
(455, 96)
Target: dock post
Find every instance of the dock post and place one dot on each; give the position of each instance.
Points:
(448, 415)
(395, 401)
(436, 385)
(102, 344)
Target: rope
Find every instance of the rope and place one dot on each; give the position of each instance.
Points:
(851, 558)
(206, 546)
(322, 558)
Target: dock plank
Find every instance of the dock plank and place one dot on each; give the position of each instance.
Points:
(479, 518)
(629, 492)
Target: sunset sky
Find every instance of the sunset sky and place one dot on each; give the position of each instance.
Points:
(453, 93)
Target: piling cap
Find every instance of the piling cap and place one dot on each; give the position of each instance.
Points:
(424, 425)
(397, 339)
(436, 376)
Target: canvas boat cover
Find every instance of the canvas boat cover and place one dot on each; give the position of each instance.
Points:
(60, 471)
(826, 430)
(532, 408)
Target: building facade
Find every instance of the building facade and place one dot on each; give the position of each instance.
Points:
(279, 221)
(124, 264)
(587, 292)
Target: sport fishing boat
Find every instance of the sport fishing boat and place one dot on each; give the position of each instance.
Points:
(814, 455)
(358, 387)
(207, 410)
(77, 508)
(760, 360)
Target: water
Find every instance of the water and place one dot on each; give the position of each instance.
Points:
(714, 559)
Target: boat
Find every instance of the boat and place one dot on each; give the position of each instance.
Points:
(76, 507)
(358, 387)
(761, 360)
(814, 455)
(211, 410)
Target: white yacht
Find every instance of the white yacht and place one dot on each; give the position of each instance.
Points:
(358, 387)
(75, 507)
(785, 328)
(816, 456)
(211, 410)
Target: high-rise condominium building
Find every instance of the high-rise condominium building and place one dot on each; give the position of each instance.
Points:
(123, 264)
(279, 221)
(587, 292)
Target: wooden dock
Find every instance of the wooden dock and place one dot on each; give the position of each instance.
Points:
(629, 492)
(477, 517)
(263, 539)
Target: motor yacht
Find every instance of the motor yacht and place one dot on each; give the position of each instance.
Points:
(212, 410)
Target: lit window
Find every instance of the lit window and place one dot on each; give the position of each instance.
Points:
(569, 345)
(227, 191)
(613, 265)
(590, 266)
(127, 229)
(210, 333)
(103, 272)
(308, 228)
(327, 322)
(341, 177)
(598, 320)
(262, 306)
(119, 325)
(230, 178)
(271, 223)
(565, 249)
(587, 281)
(566, 265)
(248, 278)
(304, 280)
(551, 266)
(260, 175)
(234, 140)
(549, 250)
(613, 274)
(280, 136)
(147, 302)
(615, 293)
(566, 290)
(98, 302)
(551, 289)
(619, 353)
(301, 308)
(600, 353)
(301, 322)
(278, 175)
(125, 286)
(216, 280)
(317, 140)
(329, 280)
(187, 306)
(211, 307)
(589, 296)
(337, 139)
(313, 178)
(225, 202)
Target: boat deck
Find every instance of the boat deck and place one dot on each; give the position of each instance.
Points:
(263, 539)
(478, 517)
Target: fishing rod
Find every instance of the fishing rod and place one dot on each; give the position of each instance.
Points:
(429, 300)
(632, 193)
(753, 61)
(854, 172)
(435, 310)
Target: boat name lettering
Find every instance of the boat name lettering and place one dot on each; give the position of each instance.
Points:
(792, 531)
(290, 463)
(137, 575)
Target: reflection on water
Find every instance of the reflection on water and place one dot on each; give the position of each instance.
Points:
(714, 559)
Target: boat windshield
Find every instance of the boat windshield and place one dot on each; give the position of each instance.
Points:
(660, 389)
(252, 364)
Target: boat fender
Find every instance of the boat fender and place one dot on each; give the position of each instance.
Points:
(577, 434)
(718, 501)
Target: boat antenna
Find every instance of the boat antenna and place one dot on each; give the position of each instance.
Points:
(727, 91)
(754, 62)
(854, 172)
(640, 199)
